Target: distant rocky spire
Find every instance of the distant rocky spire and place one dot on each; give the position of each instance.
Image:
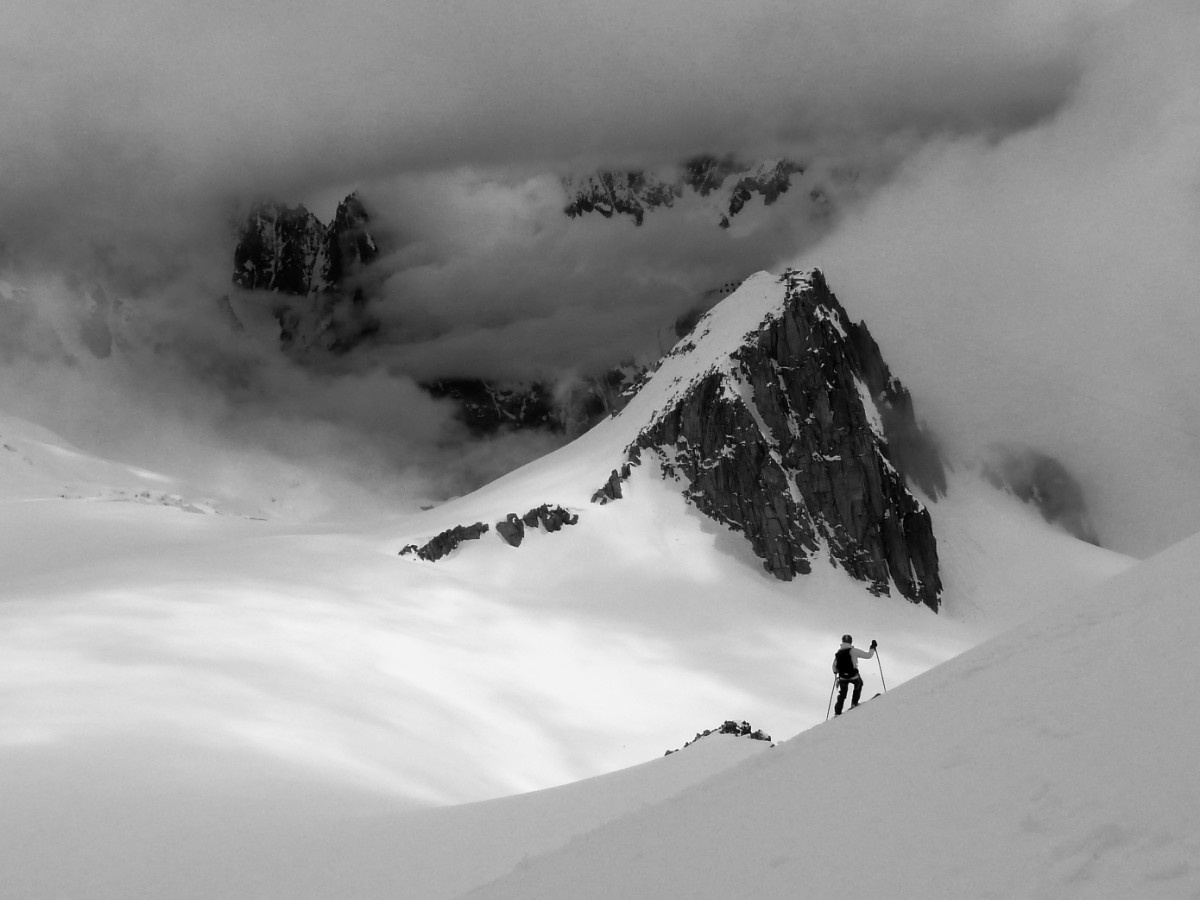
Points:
(288, 251)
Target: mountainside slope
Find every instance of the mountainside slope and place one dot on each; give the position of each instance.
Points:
(1054, 761)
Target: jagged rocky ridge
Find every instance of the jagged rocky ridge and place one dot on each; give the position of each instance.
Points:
(634, 194)
(794, 433)
(511, 530)
(310, 267)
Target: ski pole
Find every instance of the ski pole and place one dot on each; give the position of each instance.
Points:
(831, 690)
(880, 661)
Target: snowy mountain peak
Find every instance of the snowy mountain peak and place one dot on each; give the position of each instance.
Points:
(777, 415)
(779, 420)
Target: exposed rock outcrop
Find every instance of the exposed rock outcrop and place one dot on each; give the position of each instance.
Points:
(511, 529)
(634, 194)
(550, 518)
(611, 489)
(443, 544)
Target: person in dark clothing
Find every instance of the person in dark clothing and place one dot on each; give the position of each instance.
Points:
(845, 669)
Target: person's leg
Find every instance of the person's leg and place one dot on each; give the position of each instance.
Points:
(843, 686)
(858, 686)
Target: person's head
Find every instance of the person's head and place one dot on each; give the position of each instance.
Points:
(847, 639)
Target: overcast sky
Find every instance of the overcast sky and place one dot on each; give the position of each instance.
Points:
(1015, 188)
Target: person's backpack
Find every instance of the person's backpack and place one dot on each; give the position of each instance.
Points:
(845, 663)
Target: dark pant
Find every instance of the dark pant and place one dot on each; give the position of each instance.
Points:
(843, 686)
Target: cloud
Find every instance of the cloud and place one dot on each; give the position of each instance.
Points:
(1042, 288)
(137, 134)
(490, 279)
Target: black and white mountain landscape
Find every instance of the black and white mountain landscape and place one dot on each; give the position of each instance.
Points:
(415, 421)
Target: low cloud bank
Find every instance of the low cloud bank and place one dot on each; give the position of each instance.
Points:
(1013, 212)
(1042, 288)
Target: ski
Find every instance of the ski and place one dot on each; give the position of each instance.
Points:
(861, 702)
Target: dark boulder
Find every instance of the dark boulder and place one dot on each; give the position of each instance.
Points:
(442, 544)
(512, 530)
(611, 490)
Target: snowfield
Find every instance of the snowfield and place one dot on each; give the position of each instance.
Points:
(1057, 760)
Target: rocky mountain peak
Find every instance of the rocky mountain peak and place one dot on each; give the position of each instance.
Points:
(781, 420)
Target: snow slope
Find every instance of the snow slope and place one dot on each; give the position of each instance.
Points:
(250, 838)
(1056, 761)
(196, 702)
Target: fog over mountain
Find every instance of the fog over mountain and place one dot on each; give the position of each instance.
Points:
(1024, 175)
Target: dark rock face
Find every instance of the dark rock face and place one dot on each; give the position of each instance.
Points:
(1042, 480)
(913, 449)
(621, 193)
(634, 194)
(785, 448)
(442, 544)
(551, 518)
(488, 408)
(311, 268)
(511, 530)
(611, 489)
